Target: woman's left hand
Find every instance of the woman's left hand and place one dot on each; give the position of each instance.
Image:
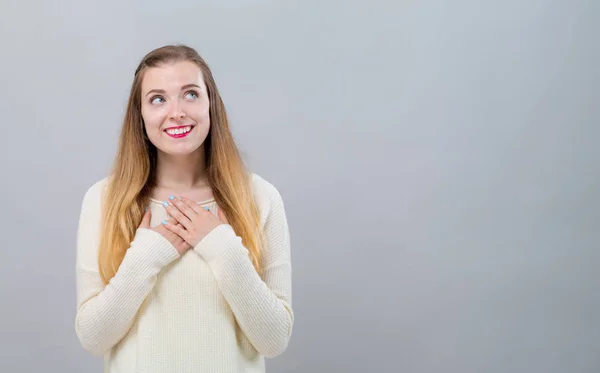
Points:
(195, 222)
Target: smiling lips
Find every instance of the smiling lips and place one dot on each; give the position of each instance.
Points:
(179, 132)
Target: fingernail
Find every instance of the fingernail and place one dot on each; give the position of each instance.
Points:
(165, 204)
(164, 222)
(179, 198)
(171, 197)
(206, 208)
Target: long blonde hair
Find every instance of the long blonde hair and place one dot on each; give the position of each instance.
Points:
(133, 174)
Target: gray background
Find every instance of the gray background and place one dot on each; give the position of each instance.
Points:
(438, 161)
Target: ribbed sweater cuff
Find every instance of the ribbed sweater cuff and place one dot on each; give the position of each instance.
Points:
(150, 251)
(220, 243)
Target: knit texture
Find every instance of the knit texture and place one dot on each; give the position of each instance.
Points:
(207, 310)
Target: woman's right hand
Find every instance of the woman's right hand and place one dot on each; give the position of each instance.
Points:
(179, 243)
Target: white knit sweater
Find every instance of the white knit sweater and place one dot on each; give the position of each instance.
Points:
(204, 311)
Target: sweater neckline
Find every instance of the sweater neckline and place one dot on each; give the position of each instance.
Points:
(205, 202)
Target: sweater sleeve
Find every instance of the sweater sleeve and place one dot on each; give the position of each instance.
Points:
(262, 307)
(105, 313)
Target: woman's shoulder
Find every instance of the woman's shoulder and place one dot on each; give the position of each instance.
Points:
(95, 190)
(267, 196)
(259, 183)
(98, 186)
(263, 188)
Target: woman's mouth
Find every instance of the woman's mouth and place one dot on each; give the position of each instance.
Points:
(179, 132)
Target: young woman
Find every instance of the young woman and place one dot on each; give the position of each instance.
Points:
(183, 256)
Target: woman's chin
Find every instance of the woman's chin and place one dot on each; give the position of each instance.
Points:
(179, 151)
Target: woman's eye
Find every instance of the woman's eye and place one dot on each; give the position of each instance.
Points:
(156, 100)
(191, 95)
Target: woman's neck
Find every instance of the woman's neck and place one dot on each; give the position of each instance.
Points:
(181, 172)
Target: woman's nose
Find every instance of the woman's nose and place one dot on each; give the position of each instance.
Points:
(176, 112)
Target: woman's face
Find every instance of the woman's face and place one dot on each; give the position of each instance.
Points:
(175, 107)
